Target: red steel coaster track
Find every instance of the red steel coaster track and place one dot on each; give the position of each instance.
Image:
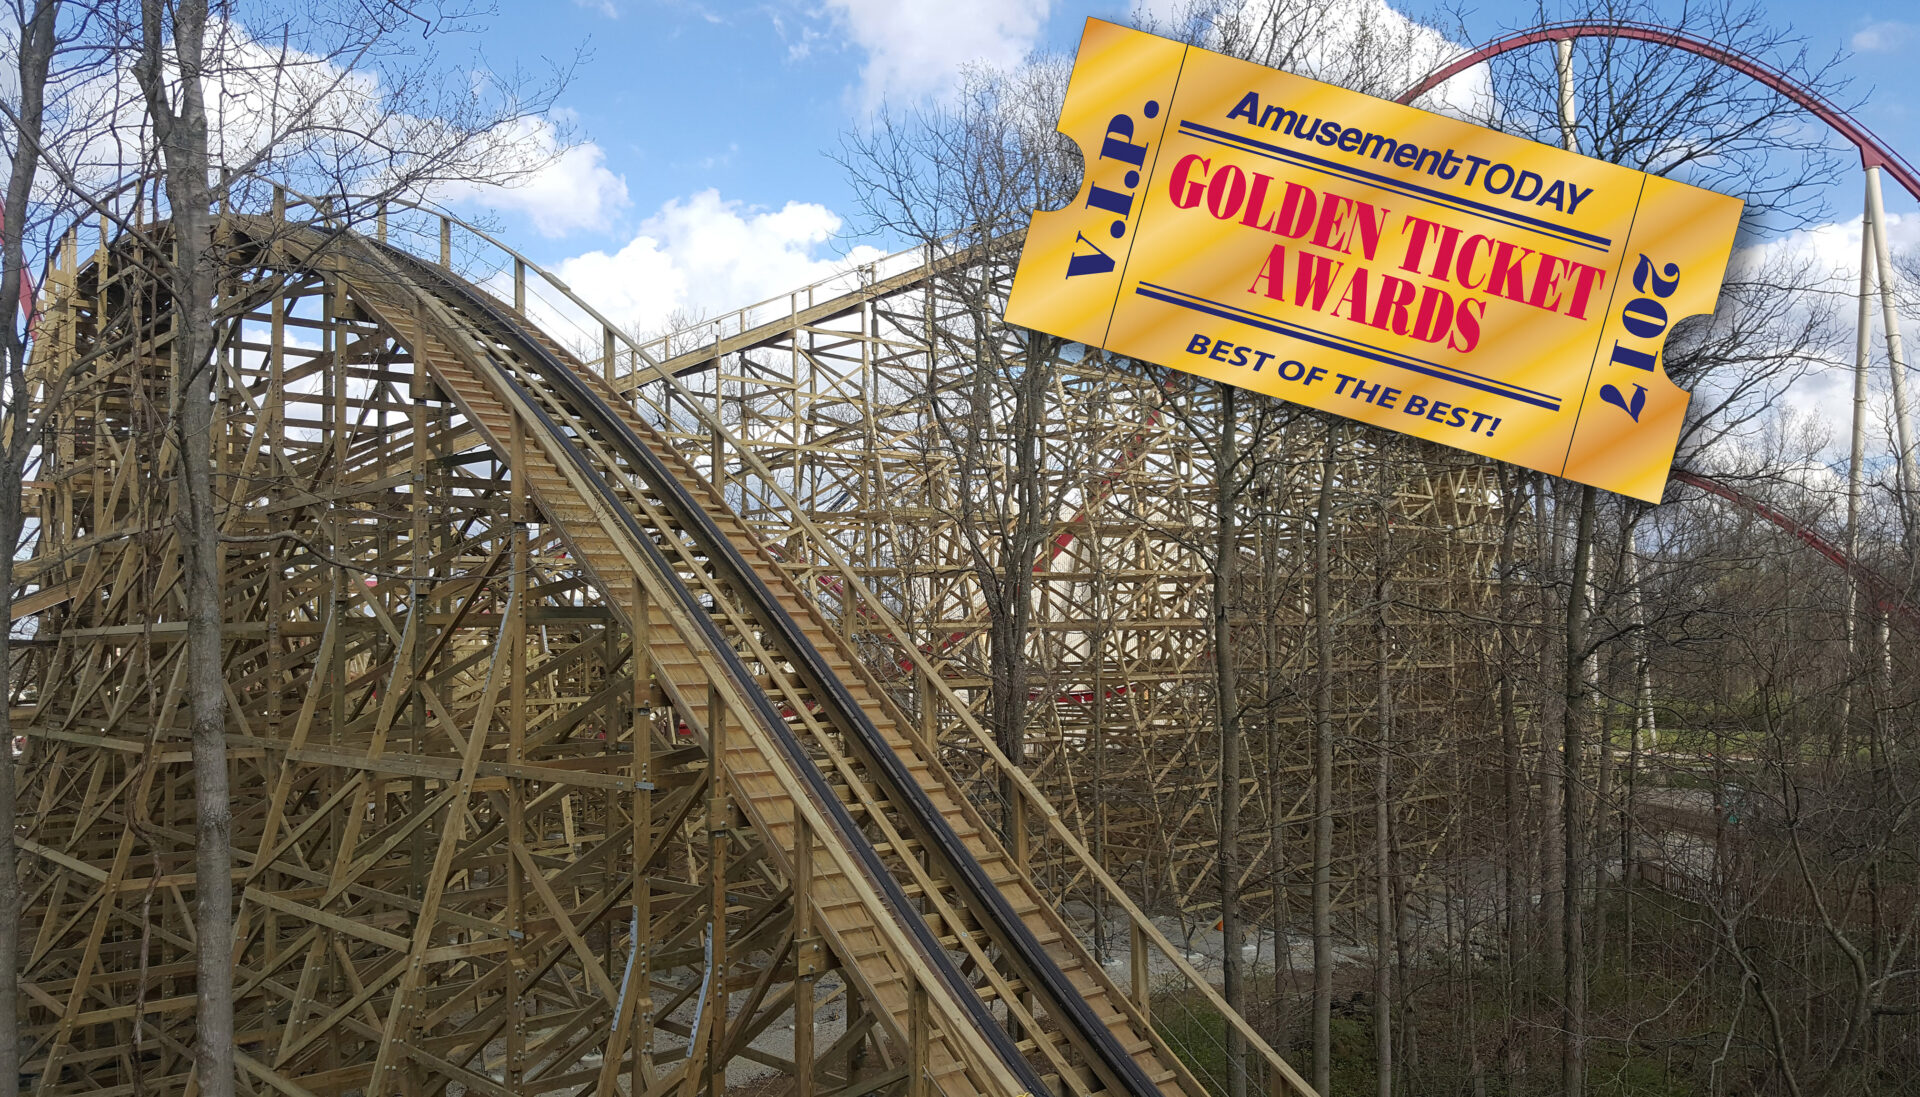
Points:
(1875, 156)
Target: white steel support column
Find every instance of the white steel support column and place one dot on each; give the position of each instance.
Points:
(1896, 353)
(1856, 460)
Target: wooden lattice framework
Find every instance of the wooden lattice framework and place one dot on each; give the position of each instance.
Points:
(832, 386)
(481, 841)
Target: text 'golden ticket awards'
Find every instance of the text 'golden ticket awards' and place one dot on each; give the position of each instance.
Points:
(1372, 260)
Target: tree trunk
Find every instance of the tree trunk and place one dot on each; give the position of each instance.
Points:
(1009, 669)
(1227, 699)
(34, 51)
(1383, 812)
(1323, 778)
(1516, 885)
(1552, 869)
(9, 859)
(1573, 1012)
(1276, 794)
(1009, 583)
(182, 135)
(1600, 842)
(1642, 725)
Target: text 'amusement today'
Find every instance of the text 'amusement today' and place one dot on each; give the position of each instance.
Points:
(1497, 179)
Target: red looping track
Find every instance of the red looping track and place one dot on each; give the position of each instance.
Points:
(1874, 153)
(1887, 597)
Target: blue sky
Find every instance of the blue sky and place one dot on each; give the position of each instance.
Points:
(704, 180)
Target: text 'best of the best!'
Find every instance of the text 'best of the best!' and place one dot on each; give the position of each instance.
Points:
(1380, 262)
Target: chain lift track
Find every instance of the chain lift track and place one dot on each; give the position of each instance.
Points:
(589, 413)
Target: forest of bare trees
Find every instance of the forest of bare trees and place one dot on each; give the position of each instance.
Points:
(1677, 853)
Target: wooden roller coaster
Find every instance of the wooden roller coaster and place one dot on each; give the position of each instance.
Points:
(606, 715)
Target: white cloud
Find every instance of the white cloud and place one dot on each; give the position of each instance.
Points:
(1884, 36)
(1828, 257)
(272, 106)
(299, 117)
(706, 254)
(916, 48)
(572, 191)
(1366, 45)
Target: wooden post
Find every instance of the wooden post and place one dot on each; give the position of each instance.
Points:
(917, 1025)
(807, 950)
(517, 961)
(1017, 822)
(276, 657)
(717, 812)
(334, 413)
(929, 713)
(716, 444)
(424, 468)
(1138, 965)
(643, 840)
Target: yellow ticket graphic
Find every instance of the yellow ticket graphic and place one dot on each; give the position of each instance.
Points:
(1372, 260)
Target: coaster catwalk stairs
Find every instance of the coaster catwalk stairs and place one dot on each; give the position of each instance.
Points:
(549, 775)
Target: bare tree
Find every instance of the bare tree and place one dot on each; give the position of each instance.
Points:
(33, 54)
(179, 120)
(1323, 751)
(1240, 433)
(960, 178)
(37, 118)
(229, 110)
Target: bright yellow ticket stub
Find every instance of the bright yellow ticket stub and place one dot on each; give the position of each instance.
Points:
(1372, 260)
